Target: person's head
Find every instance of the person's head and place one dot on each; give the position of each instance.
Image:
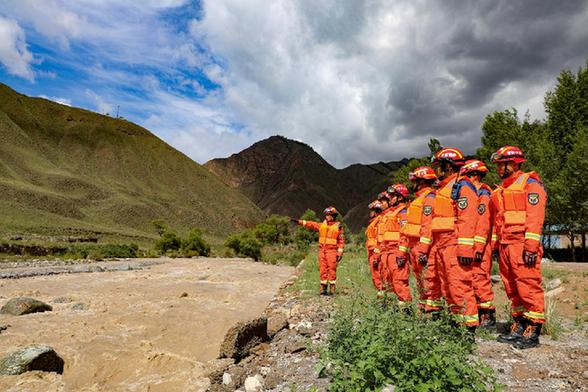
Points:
(330, 214)
(398, 192)
(422, 177)
(385, 200)
(375, 208)
(474, 169)
(447, 162)
(508, 160)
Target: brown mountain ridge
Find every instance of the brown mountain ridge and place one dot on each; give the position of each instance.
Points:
(286, 177)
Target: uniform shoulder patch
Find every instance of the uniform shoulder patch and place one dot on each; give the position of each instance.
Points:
(482, 208)
(462, 203)
(427, 210)
(533, 198)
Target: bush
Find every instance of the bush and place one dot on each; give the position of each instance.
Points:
(369, 347)
(245, 244)
(169, 241)
(284, 254)
(275, 230)
(97, 252)
(304, 236)
(195, 245)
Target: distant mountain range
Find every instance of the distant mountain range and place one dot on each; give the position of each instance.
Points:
(69, 171)
(286, 177)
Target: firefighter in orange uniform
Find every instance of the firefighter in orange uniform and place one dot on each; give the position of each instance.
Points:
(453, 227)
(371, 234)
(521, 200)
(331, 244)
(394, 258)
(475, 171)
(384, 199)
(417, 230)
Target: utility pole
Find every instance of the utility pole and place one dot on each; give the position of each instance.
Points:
(117, 109)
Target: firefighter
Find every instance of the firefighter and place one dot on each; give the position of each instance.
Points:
(474, 171)
(331, 244)
(521, 200)
(417, 230)
(371, 234)
(389, 228)
(453, 227)
(384, 199)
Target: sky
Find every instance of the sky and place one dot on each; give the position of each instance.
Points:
(359, 81)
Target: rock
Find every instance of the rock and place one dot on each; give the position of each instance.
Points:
(79, 306)
(254, 384)
(585, 374)
(275, 323)
(42, 358)
(242, 337)
(24, 305)
(389, 388)
(215, 369)
(227, 379)
(4, 327)
(553, 293)
(552, 284)
(61, 300)
(295, 346)
(495, 278)
(183, 295)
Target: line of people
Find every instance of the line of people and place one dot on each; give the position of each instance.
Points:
(448, 234)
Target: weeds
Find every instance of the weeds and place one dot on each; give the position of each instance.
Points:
(553, 326)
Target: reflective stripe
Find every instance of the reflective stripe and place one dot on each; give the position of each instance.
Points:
(465, 241)
(479, 239)
(324, 281)
(432, 303)
(403, 249)
(332, 281)
(340, 250)
(426, 240)
(535, 315)
(518, 309)
(471, 319)
(486, 305)
(494, 237)
(303, 222)
(532, 236)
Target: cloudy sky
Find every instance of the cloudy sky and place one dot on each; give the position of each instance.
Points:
(360, 81)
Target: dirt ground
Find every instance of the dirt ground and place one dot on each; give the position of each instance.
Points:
(149, 329)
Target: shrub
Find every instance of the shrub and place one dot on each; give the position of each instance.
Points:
(195, 245)
(169, 240)
(369, 347)
(275, 230)
(304, 236)
(245, 244)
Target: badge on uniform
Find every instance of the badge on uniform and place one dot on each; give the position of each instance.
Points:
(533, 198)
(462, 203)
(481, 209)
(428, 210)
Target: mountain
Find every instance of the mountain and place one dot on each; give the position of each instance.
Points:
(286, 177)
(65, 170)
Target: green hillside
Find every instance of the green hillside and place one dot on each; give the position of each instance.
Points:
(69, 171)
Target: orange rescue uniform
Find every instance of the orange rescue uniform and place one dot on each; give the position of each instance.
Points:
(331, 244)
(521, 201)
(417, 231)
(453, 227)
(482, 244)
(371, 244)
(389, 243)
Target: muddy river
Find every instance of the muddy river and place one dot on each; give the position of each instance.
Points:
(151, 329)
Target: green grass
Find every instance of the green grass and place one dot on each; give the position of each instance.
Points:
(68, 171)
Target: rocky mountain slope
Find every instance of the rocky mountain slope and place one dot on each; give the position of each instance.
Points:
(286, 177)
(65, 170)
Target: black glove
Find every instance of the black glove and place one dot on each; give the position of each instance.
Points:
(423, 259)
(339, 257)
(294, 220)
(478, 257)
(400, 261)
(465, 260)
(530, 258)
(495, 254)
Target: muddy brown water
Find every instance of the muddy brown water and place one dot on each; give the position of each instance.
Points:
(137, 332)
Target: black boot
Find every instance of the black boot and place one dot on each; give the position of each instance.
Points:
(487, 318)
(324, 289)
(332, 289)
(516, 331)
(530, 337)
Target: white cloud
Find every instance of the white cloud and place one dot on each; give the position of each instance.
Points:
(101, 105)
(63, 101)
(14, 54)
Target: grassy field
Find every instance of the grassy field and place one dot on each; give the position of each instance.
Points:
(68, 171)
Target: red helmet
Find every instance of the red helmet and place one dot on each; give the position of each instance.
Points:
(399, 189)
(375, 205)
(508, 154)
(331, 211)
(448, 154)
(384, 196)
(423, 173)
(473, 165)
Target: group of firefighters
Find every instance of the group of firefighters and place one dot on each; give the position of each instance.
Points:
(448, 235)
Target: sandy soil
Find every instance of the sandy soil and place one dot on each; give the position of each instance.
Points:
(136, 330)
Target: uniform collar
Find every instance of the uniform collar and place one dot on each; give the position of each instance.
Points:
(510, 180)
(424, 190)
(447, 180)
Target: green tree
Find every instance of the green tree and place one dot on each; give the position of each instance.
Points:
(304, 236)
(195, 245)
(275, 230)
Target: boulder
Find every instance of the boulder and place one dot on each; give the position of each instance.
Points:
(31, 358)
(275, 323)
(254, 384)
(242, 337)
(553, 284)
(495, 278)
(24, 305)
